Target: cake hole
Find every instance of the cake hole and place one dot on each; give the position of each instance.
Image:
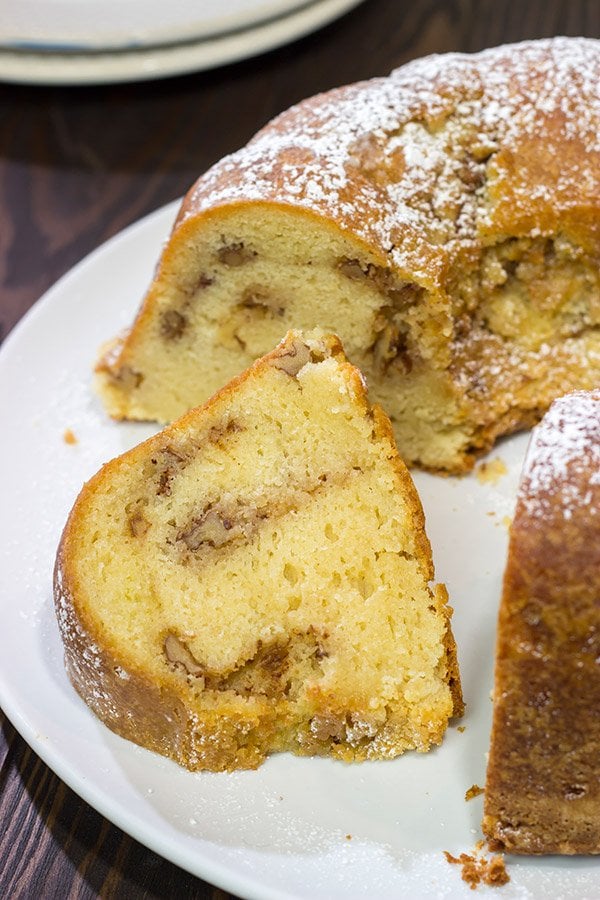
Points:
(575, 791)
(330, 533)
(291, 573)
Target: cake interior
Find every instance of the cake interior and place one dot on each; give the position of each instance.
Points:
(266, 557)
(516, 325)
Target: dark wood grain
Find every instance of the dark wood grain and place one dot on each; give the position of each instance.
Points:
(79, 164)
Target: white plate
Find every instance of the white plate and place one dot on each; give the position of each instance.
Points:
(48, 25)
(282, 831)
(29, 67)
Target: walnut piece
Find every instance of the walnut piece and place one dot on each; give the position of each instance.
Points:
(138, 525)
(235, 254)
(403, 294)
(213, 529)
(352, 269)
(127, 378)
(172, 459)
(172, 324)
(259, 298)
(389, 345)
(198, 284)
(179, 654)
(294, 358)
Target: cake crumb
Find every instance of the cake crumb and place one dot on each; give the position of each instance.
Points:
(491, 472)
(507, 521)
(476, 869)
(69, 436)
(462, 728)
(348, 837)
(474, 791)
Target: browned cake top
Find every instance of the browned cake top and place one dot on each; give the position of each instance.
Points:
(448, 152)
(543, 787)
(562, 470)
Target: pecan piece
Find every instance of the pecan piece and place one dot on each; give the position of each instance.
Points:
(390, 345)
(259, 298)
(127, 378)
(402, 294)
(179, 654)
(352, 269)
(236, 254)
(172, 324)
(213, 529)
(138, 525)
(294, 358)
(173, 460)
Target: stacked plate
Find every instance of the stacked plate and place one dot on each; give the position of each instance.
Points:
(101, 41)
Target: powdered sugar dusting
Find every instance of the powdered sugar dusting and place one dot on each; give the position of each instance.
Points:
(403, 161)
(562, 467)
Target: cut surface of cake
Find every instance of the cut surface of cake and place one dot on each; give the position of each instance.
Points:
(543, 781)
(256, 578)
(444, 221)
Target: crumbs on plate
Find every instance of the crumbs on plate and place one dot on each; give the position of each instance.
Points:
(474, 791)
(69, 436)
(490, 471)
(478, 869)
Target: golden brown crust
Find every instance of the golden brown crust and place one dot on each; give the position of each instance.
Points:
(543, 787)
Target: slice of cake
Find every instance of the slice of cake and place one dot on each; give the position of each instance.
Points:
(543, 780)
(443, 221)
(256, 578)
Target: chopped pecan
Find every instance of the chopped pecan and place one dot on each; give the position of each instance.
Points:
(296, 355)
(405, 295)
(389, 345)
(203, 281)
(173, 459)
(402, 294)
(213, 529)
(471, 173)
(179, 654)
(172, 324)
(218, 432)
(127, 377)
(352, 269)
(259, 298)
(236, 254)
(138, 525)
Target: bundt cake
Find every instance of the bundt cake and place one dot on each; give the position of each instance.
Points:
(444, 221)
(543, 781)
(256, 578)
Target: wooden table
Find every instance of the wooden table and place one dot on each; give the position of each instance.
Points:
(76, 166)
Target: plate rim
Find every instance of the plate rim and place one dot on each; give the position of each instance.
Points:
(146, 36)
(170, 60)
